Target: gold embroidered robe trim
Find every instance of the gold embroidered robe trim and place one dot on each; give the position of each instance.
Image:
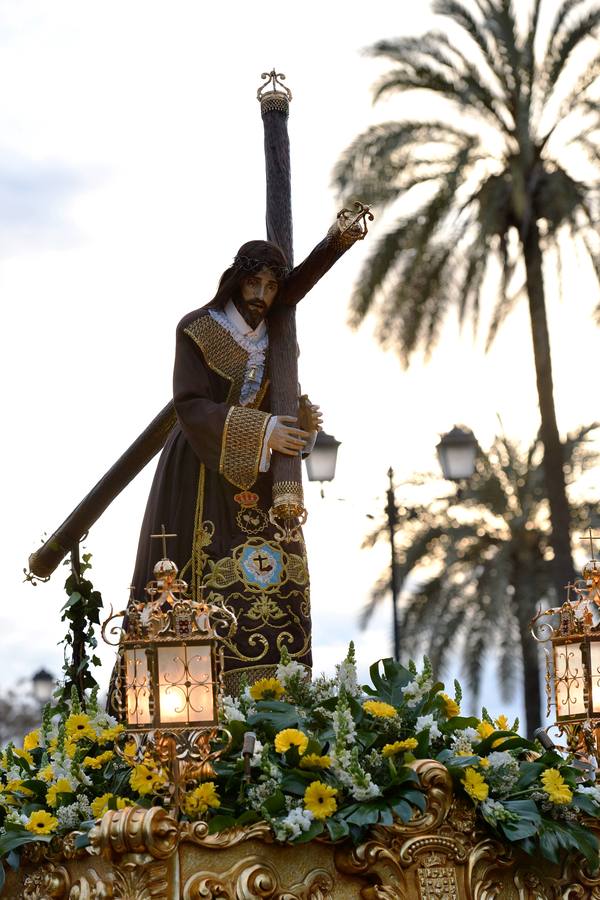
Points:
(221, 351)
(242, 446)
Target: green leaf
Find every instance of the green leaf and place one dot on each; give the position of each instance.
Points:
(276, 713)
(220, 823)
(526, 825)
(2, 878)
(74, 598)
(459, 723)
(364, 814)
(275, 803)
(530, 772)
(337, 828)
(296, 781)
(403, 810)
(249, 817)
(12, 839)
(585, 803)
(314, 831)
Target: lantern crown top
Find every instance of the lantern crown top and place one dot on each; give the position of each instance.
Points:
(273, 84)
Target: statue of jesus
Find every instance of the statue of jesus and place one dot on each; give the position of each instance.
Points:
(213, 486)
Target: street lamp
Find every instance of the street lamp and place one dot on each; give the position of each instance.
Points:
(457, 451)
(320, 463)
(43, 684)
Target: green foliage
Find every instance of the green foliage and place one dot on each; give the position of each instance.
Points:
(82, 612)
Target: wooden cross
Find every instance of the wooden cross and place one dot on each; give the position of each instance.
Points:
(591, 538)
(163, 535)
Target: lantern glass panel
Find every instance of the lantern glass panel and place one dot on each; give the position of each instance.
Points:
(595, 674)
(137, 687)
(569, 680)
(185, 684)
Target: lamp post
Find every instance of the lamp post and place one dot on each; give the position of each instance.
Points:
(43, 684)
(321, 462)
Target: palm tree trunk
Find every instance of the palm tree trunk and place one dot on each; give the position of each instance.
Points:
(525, 603)
(554, 472)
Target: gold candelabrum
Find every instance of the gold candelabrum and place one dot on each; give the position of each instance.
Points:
(573, 662)
(169, 678)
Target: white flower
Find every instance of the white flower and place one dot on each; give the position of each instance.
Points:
(231, 710)
(501, 758)
(494, 811)
(366, 791)
(591, 791)
(292, 669)
(256, 759)
(415, 691)
(347, 678)
(425, 723)
(294, 824)
(461, 745)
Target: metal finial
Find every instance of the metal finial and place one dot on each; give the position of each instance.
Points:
(273, 85)
(355, 219)
(163, 535)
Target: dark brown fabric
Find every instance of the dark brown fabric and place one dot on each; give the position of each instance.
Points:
(216, 548)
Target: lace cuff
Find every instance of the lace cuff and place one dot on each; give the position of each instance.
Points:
(242, 445)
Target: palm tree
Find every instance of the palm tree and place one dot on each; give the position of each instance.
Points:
(474, 568)
(494, 183)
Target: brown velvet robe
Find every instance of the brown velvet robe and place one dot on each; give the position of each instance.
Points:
(207, 489)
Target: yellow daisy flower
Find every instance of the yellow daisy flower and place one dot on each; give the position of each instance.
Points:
(16, 786)
(291, 737)
(201, 799)
(31, 740)
(145, 780)
(129, 752)
(379, 709)
(23, 754)
(78, 726)
(319, 799)
(41, 822)
(62, 786)
(484, 762)
(46, 774)
(96, 762)
(485, 729)
(557, 790)
(474, 784)
(70, 748)
(111, 734)
(100, 804)
(314, 761)
(267, 689)
(451, 707)
(399, 747)
(502, 723)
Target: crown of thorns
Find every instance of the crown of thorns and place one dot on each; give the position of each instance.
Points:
(248, 264)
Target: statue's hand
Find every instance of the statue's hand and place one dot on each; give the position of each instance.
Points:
(310, 417)
(287, 439)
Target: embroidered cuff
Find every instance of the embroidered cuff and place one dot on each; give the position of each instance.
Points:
(242, 445)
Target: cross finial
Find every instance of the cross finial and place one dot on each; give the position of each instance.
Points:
(591, 538)
(163, 535)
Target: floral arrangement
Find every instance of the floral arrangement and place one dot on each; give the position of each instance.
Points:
(331, 758)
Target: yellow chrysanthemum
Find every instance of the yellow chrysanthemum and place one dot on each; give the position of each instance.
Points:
(31, 740)
(16, 786)
(319, 799)
(485, 729)
(41, 822)
(145, 780)
(23, 754)
(267, 689)
(201, 799)
(96, 762)
(111, 734)
(129, 752)
(46, 774)
(314, 761)
(451, 707)
(380, 709)
(100, 804)
(502, 723)
(291, 737)
(399, 747)
(484, 762)
(78, 726)
(474, 784)
(62, 786)
(557, 790)
(70, 748)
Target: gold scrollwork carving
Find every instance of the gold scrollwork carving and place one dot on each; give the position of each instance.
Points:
(197, 833)
(49, 882)
(134, 879)
(253, 878)
(135, 830)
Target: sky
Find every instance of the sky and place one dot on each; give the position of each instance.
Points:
(131, 169)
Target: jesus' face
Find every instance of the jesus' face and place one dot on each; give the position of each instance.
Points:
(257, 293)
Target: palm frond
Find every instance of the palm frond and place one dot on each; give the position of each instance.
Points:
(378, 267)
(564, 44)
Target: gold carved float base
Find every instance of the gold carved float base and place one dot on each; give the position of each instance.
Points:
(139, 854)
